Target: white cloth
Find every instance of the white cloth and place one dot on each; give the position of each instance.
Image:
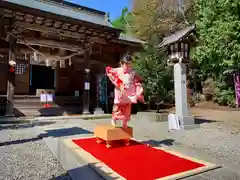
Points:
(173, 122)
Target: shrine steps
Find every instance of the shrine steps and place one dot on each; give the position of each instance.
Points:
(31, 106)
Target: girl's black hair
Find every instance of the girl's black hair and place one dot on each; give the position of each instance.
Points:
(127, 58)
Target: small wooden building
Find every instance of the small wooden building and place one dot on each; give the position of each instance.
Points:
(178, 47)
(59, 46)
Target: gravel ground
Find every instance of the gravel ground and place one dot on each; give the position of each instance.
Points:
(24, 156)
(219, 139)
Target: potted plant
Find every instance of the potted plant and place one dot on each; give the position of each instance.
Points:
(208, 89)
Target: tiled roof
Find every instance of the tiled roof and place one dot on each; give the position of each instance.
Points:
(64, 10)
(128, 38)
(82, 14)
(176, 36)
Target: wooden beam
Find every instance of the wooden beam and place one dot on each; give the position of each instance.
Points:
(86, 93)
(45, 29)
(97, 40)
(126, 43)
(51, 44)
(3, 50)
(57, 74)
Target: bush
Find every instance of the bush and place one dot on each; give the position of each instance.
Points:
(224, 94)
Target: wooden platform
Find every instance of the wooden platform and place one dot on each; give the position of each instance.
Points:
(109, 133)
(109, 174)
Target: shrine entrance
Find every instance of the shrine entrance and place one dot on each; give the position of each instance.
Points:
(41, 77)
(77, 46)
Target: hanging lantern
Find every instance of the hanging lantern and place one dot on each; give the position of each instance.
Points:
(11, 66)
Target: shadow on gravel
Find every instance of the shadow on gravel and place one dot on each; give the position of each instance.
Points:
(65, 132)
(85, 172)
(50, 133)
(61, 177)
(24, 125)
(166, 142)
(201, 120)
(19, 141)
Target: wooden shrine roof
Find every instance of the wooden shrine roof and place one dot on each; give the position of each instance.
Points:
(177, 36)
(124, 37)
(75, 12)
(65, 9)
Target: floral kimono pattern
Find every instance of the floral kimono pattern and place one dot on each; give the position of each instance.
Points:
(128, 90)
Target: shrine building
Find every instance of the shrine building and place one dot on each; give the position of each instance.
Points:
(59, 48)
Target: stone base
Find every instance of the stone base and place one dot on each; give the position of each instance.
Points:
(187, 122)
(153, 116)
(110, 133)
(98, 111)
(86, 112)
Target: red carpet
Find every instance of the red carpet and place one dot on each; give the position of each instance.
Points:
(137, 161)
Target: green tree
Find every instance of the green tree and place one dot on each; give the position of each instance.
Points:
(124, 21)
(151, 64)
(150, 20)
(160, 16)
(218, 55)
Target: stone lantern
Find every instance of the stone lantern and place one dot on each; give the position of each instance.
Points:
(178, 52)
(178, 48)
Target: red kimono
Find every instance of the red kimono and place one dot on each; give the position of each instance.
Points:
(128, 90)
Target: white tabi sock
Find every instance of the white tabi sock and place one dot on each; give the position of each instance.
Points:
(113, 122)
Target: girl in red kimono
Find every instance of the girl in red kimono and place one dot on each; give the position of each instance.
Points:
(128, 90)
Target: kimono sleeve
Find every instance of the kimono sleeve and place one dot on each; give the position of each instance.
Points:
(139, 87)
(113, 75)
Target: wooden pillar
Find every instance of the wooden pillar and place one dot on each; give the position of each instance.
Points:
(28, 71)
(57, 76)
(11, 77)
(86, 93)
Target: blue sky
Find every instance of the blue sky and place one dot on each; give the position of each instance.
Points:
(114, 7)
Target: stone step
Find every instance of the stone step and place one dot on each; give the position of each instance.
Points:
(153, 116)
(37, 106)
(40, 110)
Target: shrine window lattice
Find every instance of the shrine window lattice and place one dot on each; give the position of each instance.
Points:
(3, 62)
(21, 69)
